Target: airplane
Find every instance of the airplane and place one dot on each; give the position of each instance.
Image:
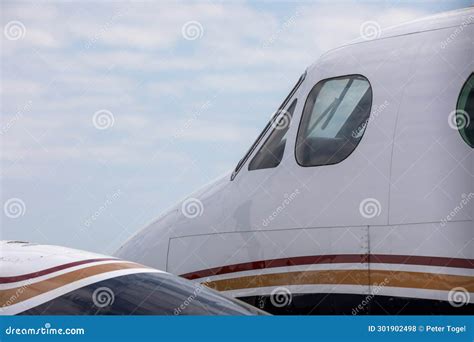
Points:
(51, 280)
(358, 195)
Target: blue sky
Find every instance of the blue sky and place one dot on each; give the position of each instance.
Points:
(113, 111)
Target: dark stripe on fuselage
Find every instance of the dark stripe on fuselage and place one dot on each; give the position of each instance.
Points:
(12, 279)
(334, 259)
(355, 304)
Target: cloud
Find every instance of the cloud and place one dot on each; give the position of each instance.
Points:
(184, 110)
(19, 87)
(132, 59)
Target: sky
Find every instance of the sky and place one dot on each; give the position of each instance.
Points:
(111, 112)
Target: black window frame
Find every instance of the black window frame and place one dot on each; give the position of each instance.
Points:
(303, 114)
(471, 116)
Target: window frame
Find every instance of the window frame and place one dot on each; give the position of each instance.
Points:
(303, 114)
(464, 138)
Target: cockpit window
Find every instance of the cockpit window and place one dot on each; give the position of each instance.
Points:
(465, 112)
(242, 161)
(334, 120)
(271, 152)
(143, 294)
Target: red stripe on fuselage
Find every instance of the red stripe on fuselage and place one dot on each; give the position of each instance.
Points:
(334, 259)
(12, 279)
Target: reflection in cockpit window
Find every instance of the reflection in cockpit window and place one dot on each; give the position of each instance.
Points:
(334, 120)
(271, 153)
(143, 294)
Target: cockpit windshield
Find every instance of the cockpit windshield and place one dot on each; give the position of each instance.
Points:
(267, 127)
(143, 294)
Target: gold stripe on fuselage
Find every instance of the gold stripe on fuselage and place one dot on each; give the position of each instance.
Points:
(417, 280)
(22, 293)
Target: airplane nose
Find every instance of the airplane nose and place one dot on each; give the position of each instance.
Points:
(149, 246)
